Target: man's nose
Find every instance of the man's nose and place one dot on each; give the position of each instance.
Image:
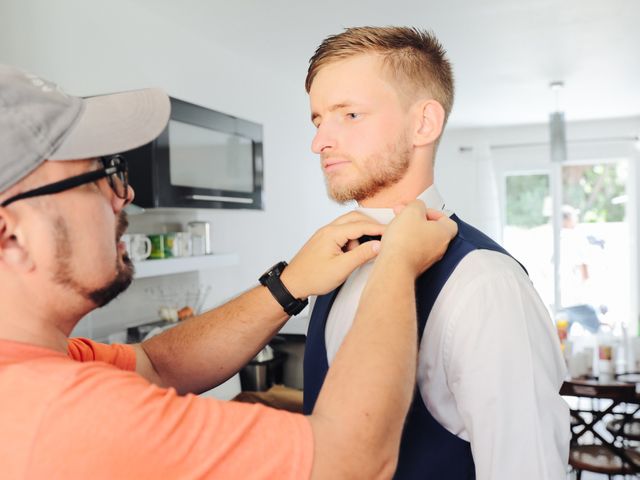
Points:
(323, 139)
(120, 203)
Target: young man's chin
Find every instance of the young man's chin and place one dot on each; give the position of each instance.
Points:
(339, 191)
(339, 196)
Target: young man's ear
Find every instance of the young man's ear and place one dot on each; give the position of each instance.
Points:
(13, 254)
(430, 123)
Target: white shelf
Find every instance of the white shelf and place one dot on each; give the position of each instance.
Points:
(168, 266)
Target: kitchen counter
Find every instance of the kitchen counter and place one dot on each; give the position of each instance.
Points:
(278, 396)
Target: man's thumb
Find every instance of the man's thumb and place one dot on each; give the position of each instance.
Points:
(359, 255)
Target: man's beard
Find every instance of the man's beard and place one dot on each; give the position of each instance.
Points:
(379, 171)
(99, 296)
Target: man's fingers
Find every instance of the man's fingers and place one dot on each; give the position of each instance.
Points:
(398, 208)
(416, 206)
(354, 230)
(419, 206)
(450, 225)
(351, 217)
(434, 214)
(351, 244)
(349, 261)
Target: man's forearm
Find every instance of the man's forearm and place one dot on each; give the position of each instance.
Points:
(206, 350)
(376, 363)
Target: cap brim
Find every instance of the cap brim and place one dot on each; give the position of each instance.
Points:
(115, 123)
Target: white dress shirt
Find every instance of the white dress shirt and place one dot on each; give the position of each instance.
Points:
(489, 363)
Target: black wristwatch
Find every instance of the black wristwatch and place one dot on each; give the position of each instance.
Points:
(271, 280)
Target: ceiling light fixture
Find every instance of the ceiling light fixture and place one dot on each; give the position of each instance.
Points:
(557, 129)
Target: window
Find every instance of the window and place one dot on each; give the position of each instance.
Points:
(568, 225)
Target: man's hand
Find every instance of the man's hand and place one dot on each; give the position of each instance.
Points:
(417, 238)
(323, 264)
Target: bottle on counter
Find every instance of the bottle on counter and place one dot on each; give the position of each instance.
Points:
(606, 356)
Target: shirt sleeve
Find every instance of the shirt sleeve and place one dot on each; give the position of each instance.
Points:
(112, 424)
(504, 367)
(118, 355)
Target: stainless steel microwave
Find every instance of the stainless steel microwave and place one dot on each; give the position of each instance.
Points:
(203, 159)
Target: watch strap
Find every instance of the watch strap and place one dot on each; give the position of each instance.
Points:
(271, 279)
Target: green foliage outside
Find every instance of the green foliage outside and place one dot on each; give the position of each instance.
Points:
(597, 191)
(525, 200)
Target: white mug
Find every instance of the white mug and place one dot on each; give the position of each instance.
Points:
(138, 246)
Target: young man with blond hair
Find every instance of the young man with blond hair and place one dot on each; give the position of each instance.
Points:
(487, 402)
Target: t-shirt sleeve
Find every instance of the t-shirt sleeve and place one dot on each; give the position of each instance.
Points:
(115, 424)
(118, 355)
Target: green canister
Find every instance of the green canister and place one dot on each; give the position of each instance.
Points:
(157, 246)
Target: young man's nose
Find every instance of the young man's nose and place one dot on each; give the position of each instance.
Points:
(323, 139)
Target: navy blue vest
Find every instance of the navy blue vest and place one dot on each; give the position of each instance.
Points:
(428, 450)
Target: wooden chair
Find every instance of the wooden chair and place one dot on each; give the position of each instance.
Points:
(592, 448)
(625, 427)
(601, 459)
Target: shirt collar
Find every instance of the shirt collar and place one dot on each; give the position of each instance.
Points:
(431, 197)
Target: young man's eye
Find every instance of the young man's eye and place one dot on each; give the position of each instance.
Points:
(353, 116)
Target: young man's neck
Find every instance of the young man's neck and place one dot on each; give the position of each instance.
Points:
(400, 193)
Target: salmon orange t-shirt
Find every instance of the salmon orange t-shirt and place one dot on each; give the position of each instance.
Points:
(87, 414)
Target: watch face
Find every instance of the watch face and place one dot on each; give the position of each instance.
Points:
(277, 269)
(271, 280)
(274, 271)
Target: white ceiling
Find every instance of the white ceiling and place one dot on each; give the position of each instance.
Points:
(505, 52)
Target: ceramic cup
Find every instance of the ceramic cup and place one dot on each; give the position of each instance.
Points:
(138, 246)
(157, 246)
(171, 245)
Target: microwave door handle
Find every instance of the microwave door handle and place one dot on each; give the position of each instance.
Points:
(217, 198)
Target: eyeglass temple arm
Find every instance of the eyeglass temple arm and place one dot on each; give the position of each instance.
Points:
(62, 185)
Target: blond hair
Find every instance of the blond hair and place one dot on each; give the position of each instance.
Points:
(415, 58)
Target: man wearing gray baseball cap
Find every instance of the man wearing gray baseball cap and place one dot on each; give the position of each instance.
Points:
(75, 408)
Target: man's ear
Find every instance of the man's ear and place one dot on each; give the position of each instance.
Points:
(13, 253)
(430, 122)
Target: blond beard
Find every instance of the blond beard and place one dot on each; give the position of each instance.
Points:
(380, 171)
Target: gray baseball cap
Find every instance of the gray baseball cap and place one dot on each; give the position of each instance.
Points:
(39, 121)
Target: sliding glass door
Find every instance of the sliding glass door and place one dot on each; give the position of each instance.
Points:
(568, 225)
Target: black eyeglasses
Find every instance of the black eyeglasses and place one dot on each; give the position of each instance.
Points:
(114, 169)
